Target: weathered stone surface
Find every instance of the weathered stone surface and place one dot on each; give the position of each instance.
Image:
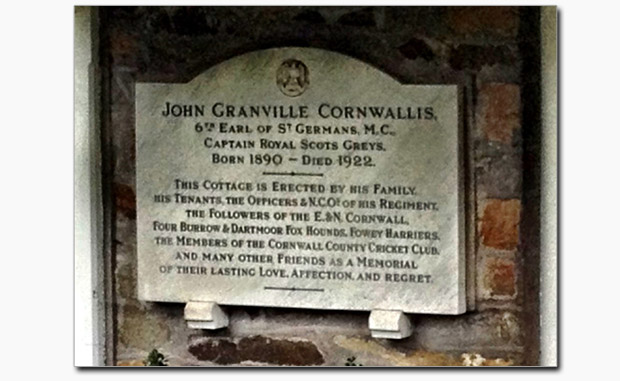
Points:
(363, 349)
(130, 363)
(475, 331)
(142, 329)
(122, 117)
(475, 359)
(506, 167)
(500, 21)
(499, 225)
(257, 349)
(499, 107)
(366, 349)
(509, 328)
(126, 281)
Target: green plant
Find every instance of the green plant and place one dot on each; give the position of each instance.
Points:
(351, 362)
(155, 359)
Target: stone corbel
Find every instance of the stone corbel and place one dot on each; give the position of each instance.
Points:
(205, 315)
(388, 324)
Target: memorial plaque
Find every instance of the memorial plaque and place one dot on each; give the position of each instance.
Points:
(301, 178)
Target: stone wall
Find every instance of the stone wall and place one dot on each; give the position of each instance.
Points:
(486, 50)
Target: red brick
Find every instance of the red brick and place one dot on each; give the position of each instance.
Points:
(499, 106)
(499, 279)
(125, 200)
(499, 226)
(499, 21)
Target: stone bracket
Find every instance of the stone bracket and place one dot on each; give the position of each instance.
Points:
(388, 324)
(205, 315)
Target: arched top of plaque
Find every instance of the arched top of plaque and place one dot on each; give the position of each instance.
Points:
(339, 187)
(293, 70)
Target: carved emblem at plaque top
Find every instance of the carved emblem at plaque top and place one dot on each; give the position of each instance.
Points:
(292, 77)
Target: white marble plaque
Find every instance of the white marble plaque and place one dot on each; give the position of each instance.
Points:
(300, 178)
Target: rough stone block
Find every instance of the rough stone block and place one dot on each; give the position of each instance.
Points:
(258, 349)
(499, 177)
(142, 330)
(499, 107)
(499, 225)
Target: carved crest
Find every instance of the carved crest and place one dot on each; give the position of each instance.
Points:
(292, 77)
